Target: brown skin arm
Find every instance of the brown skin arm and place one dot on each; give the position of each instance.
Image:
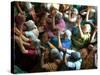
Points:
(19, 8)
(59, 41)
(80, 30)
(93, 36)
(20, 44)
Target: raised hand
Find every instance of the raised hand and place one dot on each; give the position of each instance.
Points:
(79, 19)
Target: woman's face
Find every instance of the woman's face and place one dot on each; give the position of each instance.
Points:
(53, 12)
(86, 28)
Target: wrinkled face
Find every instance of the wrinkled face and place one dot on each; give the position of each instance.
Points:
(73, 14)
(84, 53)
(53, 12)
(73, 18)
(86, 28)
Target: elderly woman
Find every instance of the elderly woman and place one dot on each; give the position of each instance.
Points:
(81, 34)
(89, 57)
(33, 33)
(72, 58)
(64, 39)
(59, 22)
(71, 18)
(25, 51)
(21, 40)
(26, 8)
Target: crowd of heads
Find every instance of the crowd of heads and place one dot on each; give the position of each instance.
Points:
(56, 37)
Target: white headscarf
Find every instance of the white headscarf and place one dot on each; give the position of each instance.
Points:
(32, 27)
(68, 33)
(29, 5)
(88, 27)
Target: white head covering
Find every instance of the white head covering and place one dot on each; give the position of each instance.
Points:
(30, 25)
(68, 33)
(29, 5)
(55, 53)
(75, 11)
(88, 27)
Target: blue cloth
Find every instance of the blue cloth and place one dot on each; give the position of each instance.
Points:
(66, 43)
(72, 65)
(54, 41)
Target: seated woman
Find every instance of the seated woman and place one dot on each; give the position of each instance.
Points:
(49, 62)
(81, 34)
(50, 54)
(89, 57)
(65, 38)
(59, 26)
(25, 52)
(70, 18)
(32, 32)
(19, 37)
(55, 21)
(59, 22)
(42, 25)
(26, 8)
(73, 59)
(46, 43)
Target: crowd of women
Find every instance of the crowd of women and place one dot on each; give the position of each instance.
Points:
(54, 37)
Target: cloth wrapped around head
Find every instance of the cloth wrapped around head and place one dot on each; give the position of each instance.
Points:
(69, 34)
(32, 27)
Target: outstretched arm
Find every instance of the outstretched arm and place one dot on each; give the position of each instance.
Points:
(79, 26)
(59, 41)
(20, 34)
(88, 12)
(19, 42)
(19, 8)
(93, 36)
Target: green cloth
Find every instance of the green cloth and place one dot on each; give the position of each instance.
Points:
(77, 41)
(18, 70)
